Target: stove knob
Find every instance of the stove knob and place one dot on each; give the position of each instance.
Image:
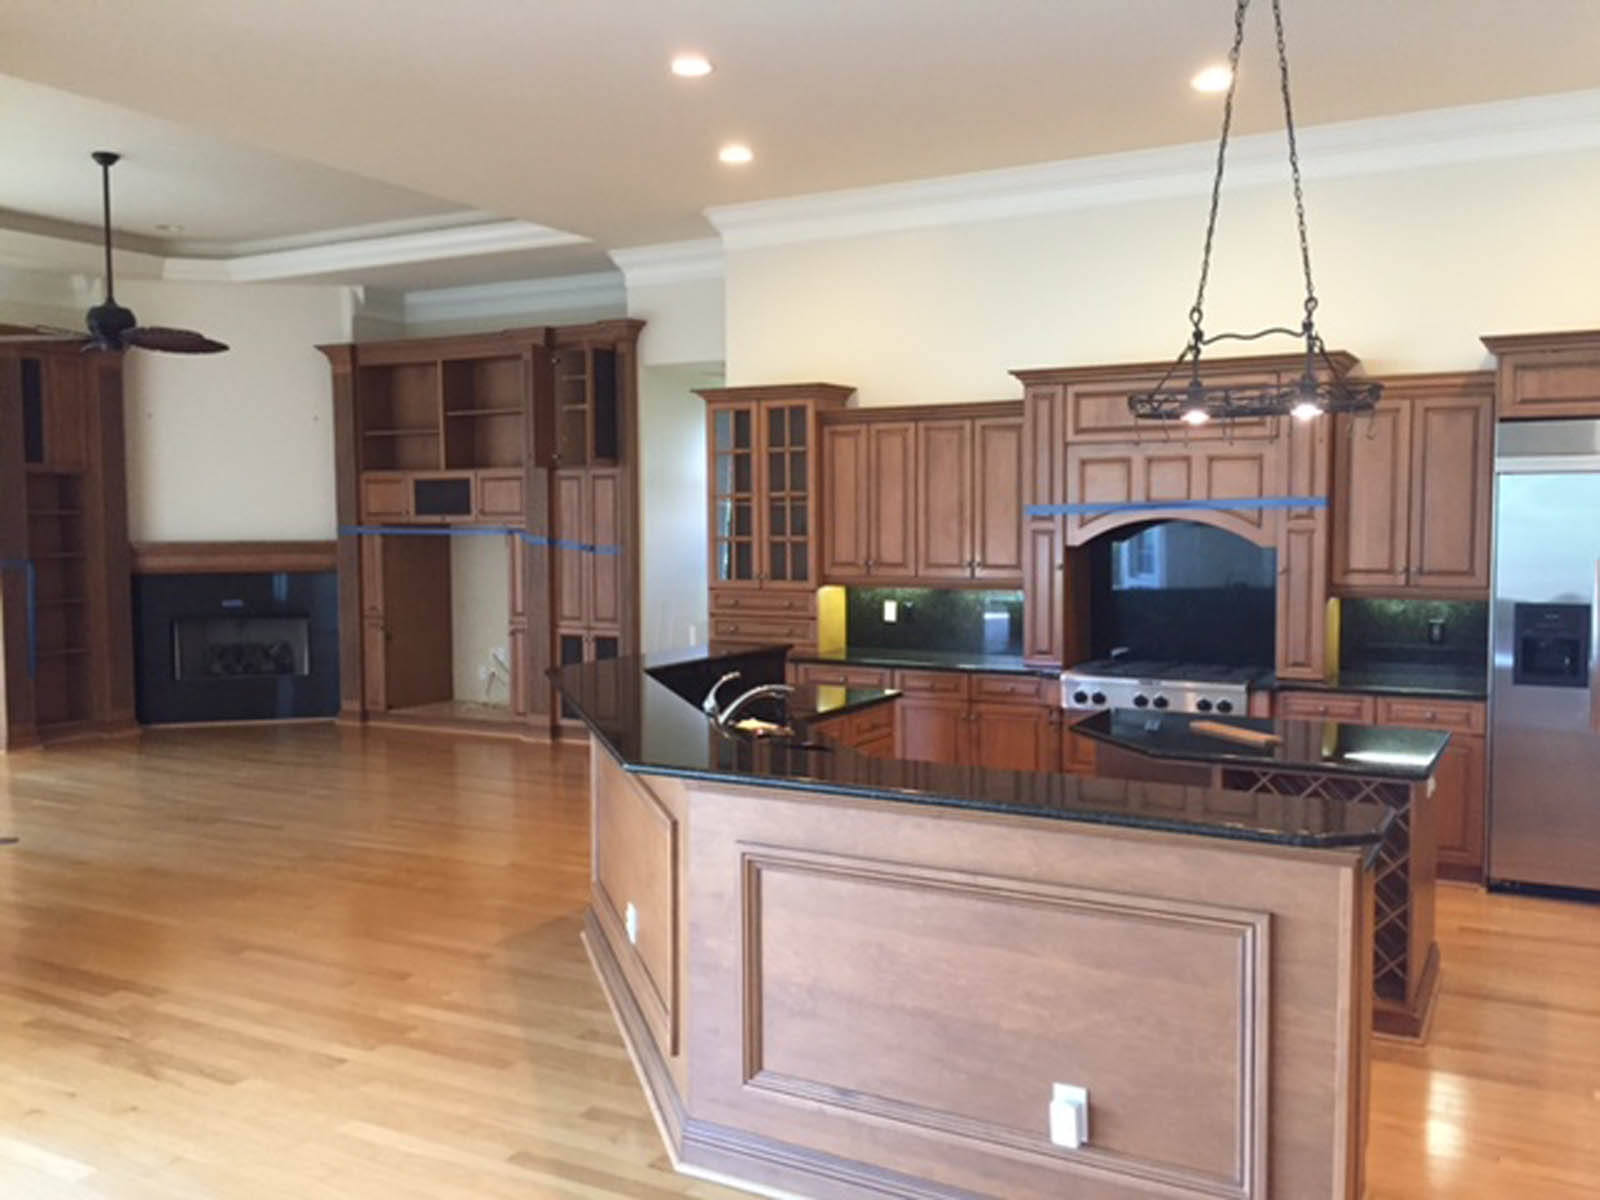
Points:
(1141, 701)
(1099, 698)
(1160, 701)
(1224, 706)
(1080, 697)
(1203, 705)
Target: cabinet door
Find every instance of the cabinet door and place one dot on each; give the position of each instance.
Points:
(1302, 600)
(731, 437)
(603, 531)
(1043, 593)
(997, 469)
(787, 497)
(1452, 471)
(1459, 806)
(932, 730)
(892, 500)
(1014, 737)
(944, 500)
(568, 521)
(846, 505)
(1372, 497)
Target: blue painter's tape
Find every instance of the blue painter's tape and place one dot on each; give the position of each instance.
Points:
(1243, 503)
(531, 539)
(30, 587)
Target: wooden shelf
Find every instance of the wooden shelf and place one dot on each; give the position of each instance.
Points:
(48, 469)
(62, 602)
(55, 512)
(64, 652)
(483, 412)
(60, 554)
(397, 433)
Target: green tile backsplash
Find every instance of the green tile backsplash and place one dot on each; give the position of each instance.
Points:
(971, 622)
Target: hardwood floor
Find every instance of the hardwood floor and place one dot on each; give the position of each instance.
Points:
(316, 962)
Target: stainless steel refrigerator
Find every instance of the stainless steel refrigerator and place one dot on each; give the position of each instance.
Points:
(1544, 794)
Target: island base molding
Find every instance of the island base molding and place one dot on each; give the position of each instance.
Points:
(843, 997)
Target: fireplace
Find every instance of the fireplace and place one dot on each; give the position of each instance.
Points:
(232, 647)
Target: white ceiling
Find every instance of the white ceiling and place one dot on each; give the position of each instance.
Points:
(562, 112)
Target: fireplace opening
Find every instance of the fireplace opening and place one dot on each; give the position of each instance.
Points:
(240, 647)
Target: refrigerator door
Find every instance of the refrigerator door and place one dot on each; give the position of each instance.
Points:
(1544, 795)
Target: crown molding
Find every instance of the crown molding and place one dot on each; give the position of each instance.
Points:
(670, 262)
(522, 297)
(1561, 123)
(465, 241)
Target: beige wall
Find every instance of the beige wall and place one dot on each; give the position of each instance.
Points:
(235, 446)
(1411, 267)
(480, 611)
(672, 469)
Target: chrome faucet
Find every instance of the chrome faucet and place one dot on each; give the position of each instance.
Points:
(755, 693)
(709, 705)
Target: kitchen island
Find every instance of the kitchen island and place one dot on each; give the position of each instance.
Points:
(844, 975)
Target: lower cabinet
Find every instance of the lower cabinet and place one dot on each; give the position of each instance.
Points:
(932, 729)
(580, 646)
(1008, 722)
(1458, 805)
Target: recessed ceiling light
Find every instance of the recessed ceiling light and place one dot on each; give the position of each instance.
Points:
(1212, 79)
(736, 153)
(691, 66)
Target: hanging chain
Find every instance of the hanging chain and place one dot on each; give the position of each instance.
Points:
(1294, 163)
(1197, 312)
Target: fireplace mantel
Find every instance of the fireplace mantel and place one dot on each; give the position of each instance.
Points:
(231, 558)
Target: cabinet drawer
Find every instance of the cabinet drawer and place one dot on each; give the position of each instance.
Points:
(500, 494)
(1325, 706)
(1024, 689)
(385, 496)
(1460, 716)
(842, 676)
(947, 684)
(761, 628)
(777, 604)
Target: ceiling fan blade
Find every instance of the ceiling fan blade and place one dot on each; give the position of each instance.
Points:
(173, 341)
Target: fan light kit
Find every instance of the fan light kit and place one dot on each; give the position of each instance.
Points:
(1319, 388)
(112, 327)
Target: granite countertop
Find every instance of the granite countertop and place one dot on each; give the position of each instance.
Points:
(930, 660)
(650, 727)
(1401, 679)
(1325, 747)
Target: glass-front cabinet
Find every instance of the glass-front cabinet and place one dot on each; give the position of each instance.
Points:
(763, 483)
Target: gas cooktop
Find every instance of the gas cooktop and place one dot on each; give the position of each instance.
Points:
(1148, 683)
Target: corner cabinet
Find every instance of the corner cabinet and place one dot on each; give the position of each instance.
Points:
(1547, 375)
(764, 509)
(1412, 487)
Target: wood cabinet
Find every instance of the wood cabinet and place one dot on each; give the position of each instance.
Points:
(969, 500)
(1008, 722)
(1545, 375)
(66, 639)
(1460, 788)
(1412, 486)
(869, 501)
(867, 731)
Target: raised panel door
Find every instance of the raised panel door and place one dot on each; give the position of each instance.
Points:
(1452, 472)
(1372, 497)
(892, 499)
(1098, 476)
(1013, 737)
(1302, 600)
(1043, 611)
(846, 503)
(997, 464)
(603, 564)
(786, 494)
(731, 443)
(568, 522)
(930, 729)
(1239, 473)
(1459, 806)
(944, 500)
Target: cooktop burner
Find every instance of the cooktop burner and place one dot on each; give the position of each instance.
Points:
(1177, 672)
(1149, 683)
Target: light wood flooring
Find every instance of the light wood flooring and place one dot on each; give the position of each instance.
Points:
(305, 961)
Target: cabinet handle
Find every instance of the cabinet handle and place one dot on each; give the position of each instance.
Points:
(1430, 715)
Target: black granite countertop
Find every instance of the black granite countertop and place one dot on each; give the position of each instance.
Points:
(1326, 747)
(655, 728)
(928, 660)
(1401, 679)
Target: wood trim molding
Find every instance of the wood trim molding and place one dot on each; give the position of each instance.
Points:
(1511, 343)
(779, 392)
(226, 558)
(921, 412)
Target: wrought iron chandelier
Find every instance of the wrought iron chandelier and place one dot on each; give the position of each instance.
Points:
(1319, 388)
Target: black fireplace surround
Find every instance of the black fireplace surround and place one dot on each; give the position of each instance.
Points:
(217, 647)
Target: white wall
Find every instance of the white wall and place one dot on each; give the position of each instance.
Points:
(480, 611)
(235, 446)
(672, 481)
(1412, 266)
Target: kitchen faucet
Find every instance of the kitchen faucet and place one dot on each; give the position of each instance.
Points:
(709, 705)
(764, 689)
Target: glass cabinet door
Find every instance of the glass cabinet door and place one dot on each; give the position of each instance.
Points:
(787, 446)
(733, 495)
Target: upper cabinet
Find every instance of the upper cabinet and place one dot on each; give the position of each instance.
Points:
(1543, 375)
(924, 496)
(763, 473)
(1412, 485)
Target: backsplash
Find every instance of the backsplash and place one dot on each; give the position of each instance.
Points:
(1446, 633)
(969, 622)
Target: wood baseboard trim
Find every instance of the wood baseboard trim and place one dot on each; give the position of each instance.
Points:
(1413, 1023)
(513, 730)
(232, 558)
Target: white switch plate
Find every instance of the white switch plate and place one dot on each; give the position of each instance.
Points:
(630, 922)
(1069, 1115)
(891, 611)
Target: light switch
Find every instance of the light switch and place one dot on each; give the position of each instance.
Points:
(630, 922)
(1069, 1115)
(891, 611)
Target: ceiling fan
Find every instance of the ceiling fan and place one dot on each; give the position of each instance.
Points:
(110, 326)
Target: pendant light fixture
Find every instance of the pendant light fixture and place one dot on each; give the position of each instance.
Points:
(1319, 388)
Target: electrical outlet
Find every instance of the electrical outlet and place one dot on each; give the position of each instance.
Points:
(891, 611)
(630, 922)
(1069, 1115)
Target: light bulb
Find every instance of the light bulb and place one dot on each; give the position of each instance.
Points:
(1212, 79)
(1306, 410)
(691, 66)
(735, 154)
(1195, 416)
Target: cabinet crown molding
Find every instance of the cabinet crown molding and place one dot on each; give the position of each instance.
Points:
(836, 393)
(1514, 343)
